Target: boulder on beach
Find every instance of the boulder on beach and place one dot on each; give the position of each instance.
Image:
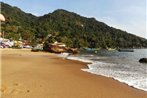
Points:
(59, 48)
(54, 48)
(73, 50)
(143, 60)
(37, 48)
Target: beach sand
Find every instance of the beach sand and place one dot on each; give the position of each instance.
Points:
(28, 74)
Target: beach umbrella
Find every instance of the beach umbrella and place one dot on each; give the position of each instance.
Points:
(2, 18)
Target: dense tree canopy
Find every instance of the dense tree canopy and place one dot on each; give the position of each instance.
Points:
(66, 27)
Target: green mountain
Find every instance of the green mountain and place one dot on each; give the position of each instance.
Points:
(17, 22)
(66, 27)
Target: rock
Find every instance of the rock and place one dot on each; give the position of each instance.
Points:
(73, 50)
(143, 60)
(37, 48)
(59, 48)
(54, 48)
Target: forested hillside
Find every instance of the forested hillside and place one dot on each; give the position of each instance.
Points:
(67, 27)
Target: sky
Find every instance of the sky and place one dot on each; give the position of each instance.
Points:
(128, 15)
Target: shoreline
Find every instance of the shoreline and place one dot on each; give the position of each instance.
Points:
(113, 79)
(64, 77)
(86, 67)
(90, 67)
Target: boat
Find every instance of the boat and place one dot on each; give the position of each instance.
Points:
(92, 49)
(125, 50)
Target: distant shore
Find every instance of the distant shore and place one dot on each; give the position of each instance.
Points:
(27, 74)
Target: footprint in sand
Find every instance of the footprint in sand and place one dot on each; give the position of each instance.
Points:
(16, 84)
(3, 89)
(14, 89)
(9, 90)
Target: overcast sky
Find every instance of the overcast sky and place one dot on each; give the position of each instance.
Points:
(128, 15)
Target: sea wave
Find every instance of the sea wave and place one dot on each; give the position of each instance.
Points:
(131, 78)
(123, 73)
(78, 58)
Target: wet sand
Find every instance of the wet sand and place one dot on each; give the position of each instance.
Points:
(28, 74)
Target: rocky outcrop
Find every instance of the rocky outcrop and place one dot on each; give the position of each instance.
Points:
(56, 49)
(59, 48)
(143, 60)
(37, 48)
(73, 50)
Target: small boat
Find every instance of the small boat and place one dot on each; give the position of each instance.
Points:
(125, 50)
(92, 49)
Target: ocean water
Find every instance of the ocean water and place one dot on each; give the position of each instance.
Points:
(122, 66)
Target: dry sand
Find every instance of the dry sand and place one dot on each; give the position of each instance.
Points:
(42, 75)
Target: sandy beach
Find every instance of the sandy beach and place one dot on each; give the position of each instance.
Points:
(27, 74)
